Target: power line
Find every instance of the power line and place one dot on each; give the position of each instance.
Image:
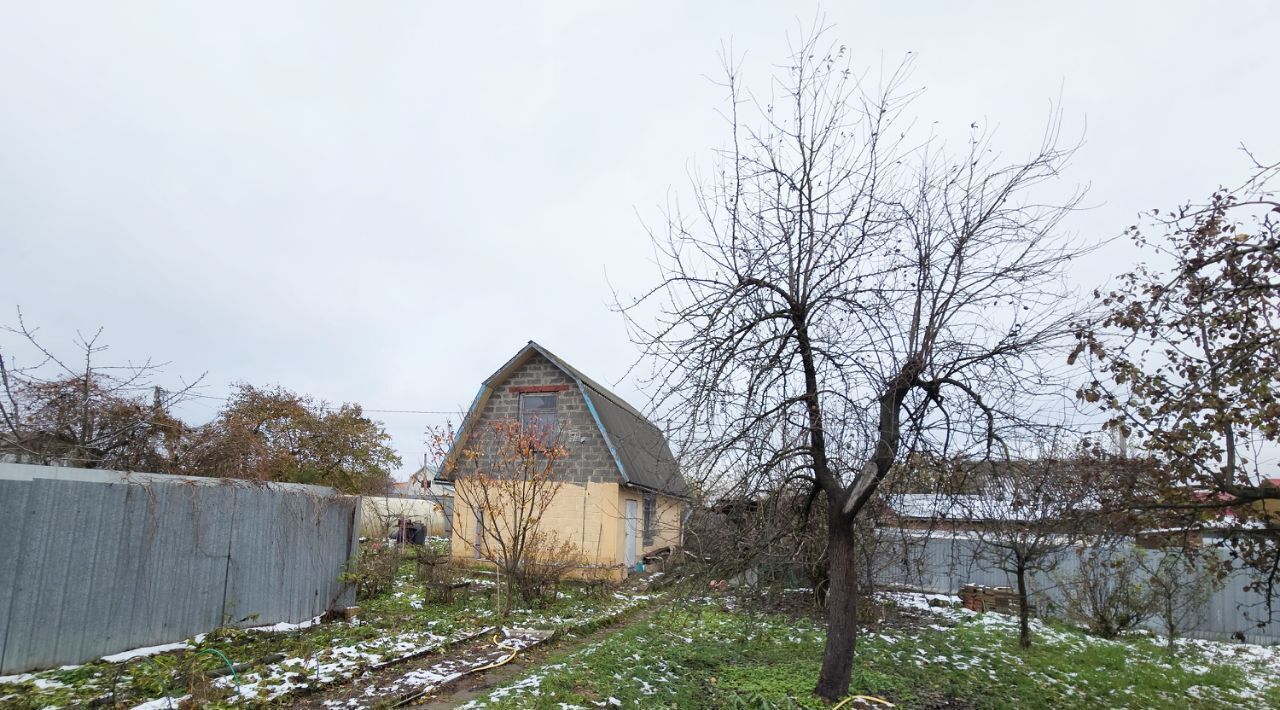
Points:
(411, 411)
(365, 409)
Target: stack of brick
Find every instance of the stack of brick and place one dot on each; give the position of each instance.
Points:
(977, 597)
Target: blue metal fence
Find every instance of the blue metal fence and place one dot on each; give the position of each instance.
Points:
(98, 562)
(943, 562)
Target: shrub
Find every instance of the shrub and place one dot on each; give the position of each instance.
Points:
(1107, 594)
(431, 563)
(547, 560)
(373, 570)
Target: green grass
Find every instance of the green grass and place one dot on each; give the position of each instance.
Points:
(732, 660)
(389, 625)
(701, 654)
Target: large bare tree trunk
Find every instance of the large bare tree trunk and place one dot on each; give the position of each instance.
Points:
(842, 609)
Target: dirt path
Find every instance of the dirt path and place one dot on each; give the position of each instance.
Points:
(450, 677)
(480, 684)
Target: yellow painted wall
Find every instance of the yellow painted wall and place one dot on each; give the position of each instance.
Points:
(668, 533)
(583, 514)
(592, 517)
(1270, 509)
(666, 526)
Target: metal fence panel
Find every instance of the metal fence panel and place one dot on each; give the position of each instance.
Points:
(105, 575)
(248, 567)
(39, 561)
(13, 506)
(98, 562)
(943, 563)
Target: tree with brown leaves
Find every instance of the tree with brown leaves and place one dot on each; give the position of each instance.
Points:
(1187, 362)
(82, 412)
(273, 434)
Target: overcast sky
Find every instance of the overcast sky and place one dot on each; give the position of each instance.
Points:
(381, 202)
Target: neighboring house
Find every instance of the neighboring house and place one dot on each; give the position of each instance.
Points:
(407, 489)
(1216, 525)
(381, 514)
(966, 512)
(1270, 507)
(950, 513)
(423, 483)
(423, 498)
(623, 495)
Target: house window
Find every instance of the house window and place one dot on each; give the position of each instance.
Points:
(650, 517)
(538, 414)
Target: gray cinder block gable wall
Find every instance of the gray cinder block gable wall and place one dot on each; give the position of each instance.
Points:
(588, 459)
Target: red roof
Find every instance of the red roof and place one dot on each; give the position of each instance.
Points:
(1214, 497)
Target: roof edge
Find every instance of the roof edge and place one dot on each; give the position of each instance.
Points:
(613, 450)
(502, 374)
(678, 496)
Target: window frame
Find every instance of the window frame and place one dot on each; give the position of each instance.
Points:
(554, 429)
(649, 518)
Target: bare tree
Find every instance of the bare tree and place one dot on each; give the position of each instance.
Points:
(840, 295)
(80, 412)
(1180, 583)
(506, 476)
(1030, 513)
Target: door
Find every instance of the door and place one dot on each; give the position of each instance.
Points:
(629, 539)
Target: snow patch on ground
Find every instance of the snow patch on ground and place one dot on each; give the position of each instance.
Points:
(529, 684)
(333, 664)
(1260, 665)
(145, 651)
(1265, 659)
(161, 703)
(934, 603)
(282, 626)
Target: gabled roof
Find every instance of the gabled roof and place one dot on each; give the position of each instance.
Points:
(639, 448)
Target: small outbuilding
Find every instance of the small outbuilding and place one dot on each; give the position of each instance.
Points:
(622, 495)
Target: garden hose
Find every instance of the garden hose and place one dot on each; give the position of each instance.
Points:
(164, 684)
(497, 641)
(514, 651)
(864, 698)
